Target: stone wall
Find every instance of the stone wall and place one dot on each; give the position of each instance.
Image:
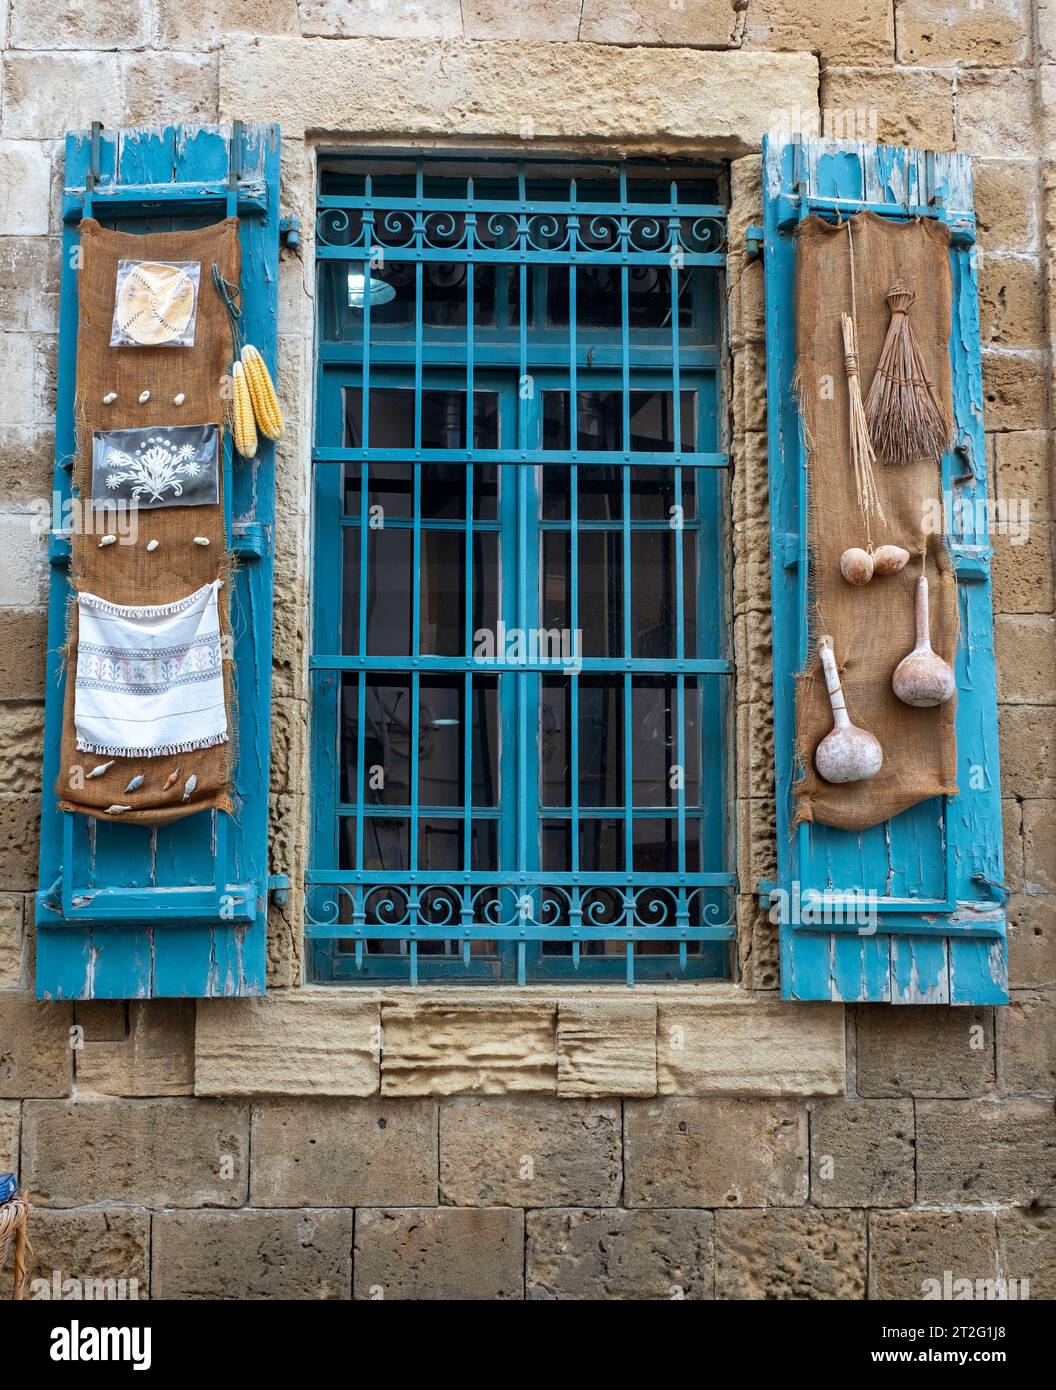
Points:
(542, 1143)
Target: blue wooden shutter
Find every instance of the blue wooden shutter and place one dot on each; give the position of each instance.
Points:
(938, 865)
(124, 911)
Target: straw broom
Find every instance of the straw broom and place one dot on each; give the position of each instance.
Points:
(906, 420)
(862, 455)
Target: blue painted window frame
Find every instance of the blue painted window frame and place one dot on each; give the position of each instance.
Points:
(126, 911)
(941, 933)
(338, 924)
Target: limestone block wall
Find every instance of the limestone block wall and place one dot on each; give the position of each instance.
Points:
(547, 1143)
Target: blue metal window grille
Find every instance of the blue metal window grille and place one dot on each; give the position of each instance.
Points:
(520, 621)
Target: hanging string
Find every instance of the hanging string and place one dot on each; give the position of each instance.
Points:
(225, 289)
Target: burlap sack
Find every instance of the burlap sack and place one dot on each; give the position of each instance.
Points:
(872, 626)
(128, 573)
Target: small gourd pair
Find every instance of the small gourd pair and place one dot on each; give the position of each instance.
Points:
(859, 566)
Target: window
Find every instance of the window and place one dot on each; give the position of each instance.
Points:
(520, 619)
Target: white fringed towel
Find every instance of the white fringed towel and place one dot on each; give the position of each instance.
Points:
(150, 681)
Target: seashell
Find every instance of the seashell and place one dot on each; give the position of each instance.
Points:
(98, 771)
(152, 546)
(922, 679)
(201, 540)
(170, 781)
(847, 753)
(107, 540)
(109, 398)
(135, 783)
(856, 566)
(117, 810)
(189, 786)
(144, 396)
(889, 559)
(179, 399)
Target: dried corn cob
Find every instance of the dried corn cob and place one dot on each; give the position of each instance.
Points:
(262, 393)
(243, 429)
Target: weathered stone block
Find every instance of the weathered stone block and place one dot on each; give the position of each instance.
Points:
(1026, 1043)
(606, 1047)
(172, 1153)
(1006, 204)
(10, 1120)
(25, 178)
(1031, 940)
(1026, 658)
(529, 1152)
(986, 1151)
(162, 87)
(1011, 302)
(696, 23)
(495, 89)
(105, 24)
(1028, 750)
(24, 631)
(344, 1153)
(252, 1255)
(10, 941)
(439, 1253)
(926, 1050)
(397, 19)
(1039, 846)
(101, 1253)
(19, 838)
(35, 1056)
(790, 1254)
(617, 1254)
(911, 107)
(741, 1046)
(1026, 1239)
(46, 94)
(560, 20)
(1024, 473)
(941, 34)
(1014, 390)
(436, 1048)
(155, 1059)
(995, 112)
(101, 1020)
(861, 1153)
(194, 25)
(855, 32)
(21, 748)
(1022, 574)
(908, 1249)
(682, 1152)
(290, 1043)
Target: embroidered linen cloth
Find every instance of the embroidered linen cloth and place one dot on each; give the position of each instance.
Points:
(150, 681)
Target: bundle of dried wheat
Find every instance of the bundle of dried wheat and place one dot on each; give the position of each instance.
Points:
(906, 420)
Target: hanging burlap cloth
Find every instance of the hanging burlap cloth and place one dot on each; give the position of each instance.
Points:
(128, 574)
(872, 626)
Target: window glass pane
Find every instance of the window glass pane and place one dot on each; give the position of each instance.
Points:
(655, 741)
(389, 592)
(386, 739)
(601, 593)
(601, 740)
(443, 411)
(442, 591)
(600, 420)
